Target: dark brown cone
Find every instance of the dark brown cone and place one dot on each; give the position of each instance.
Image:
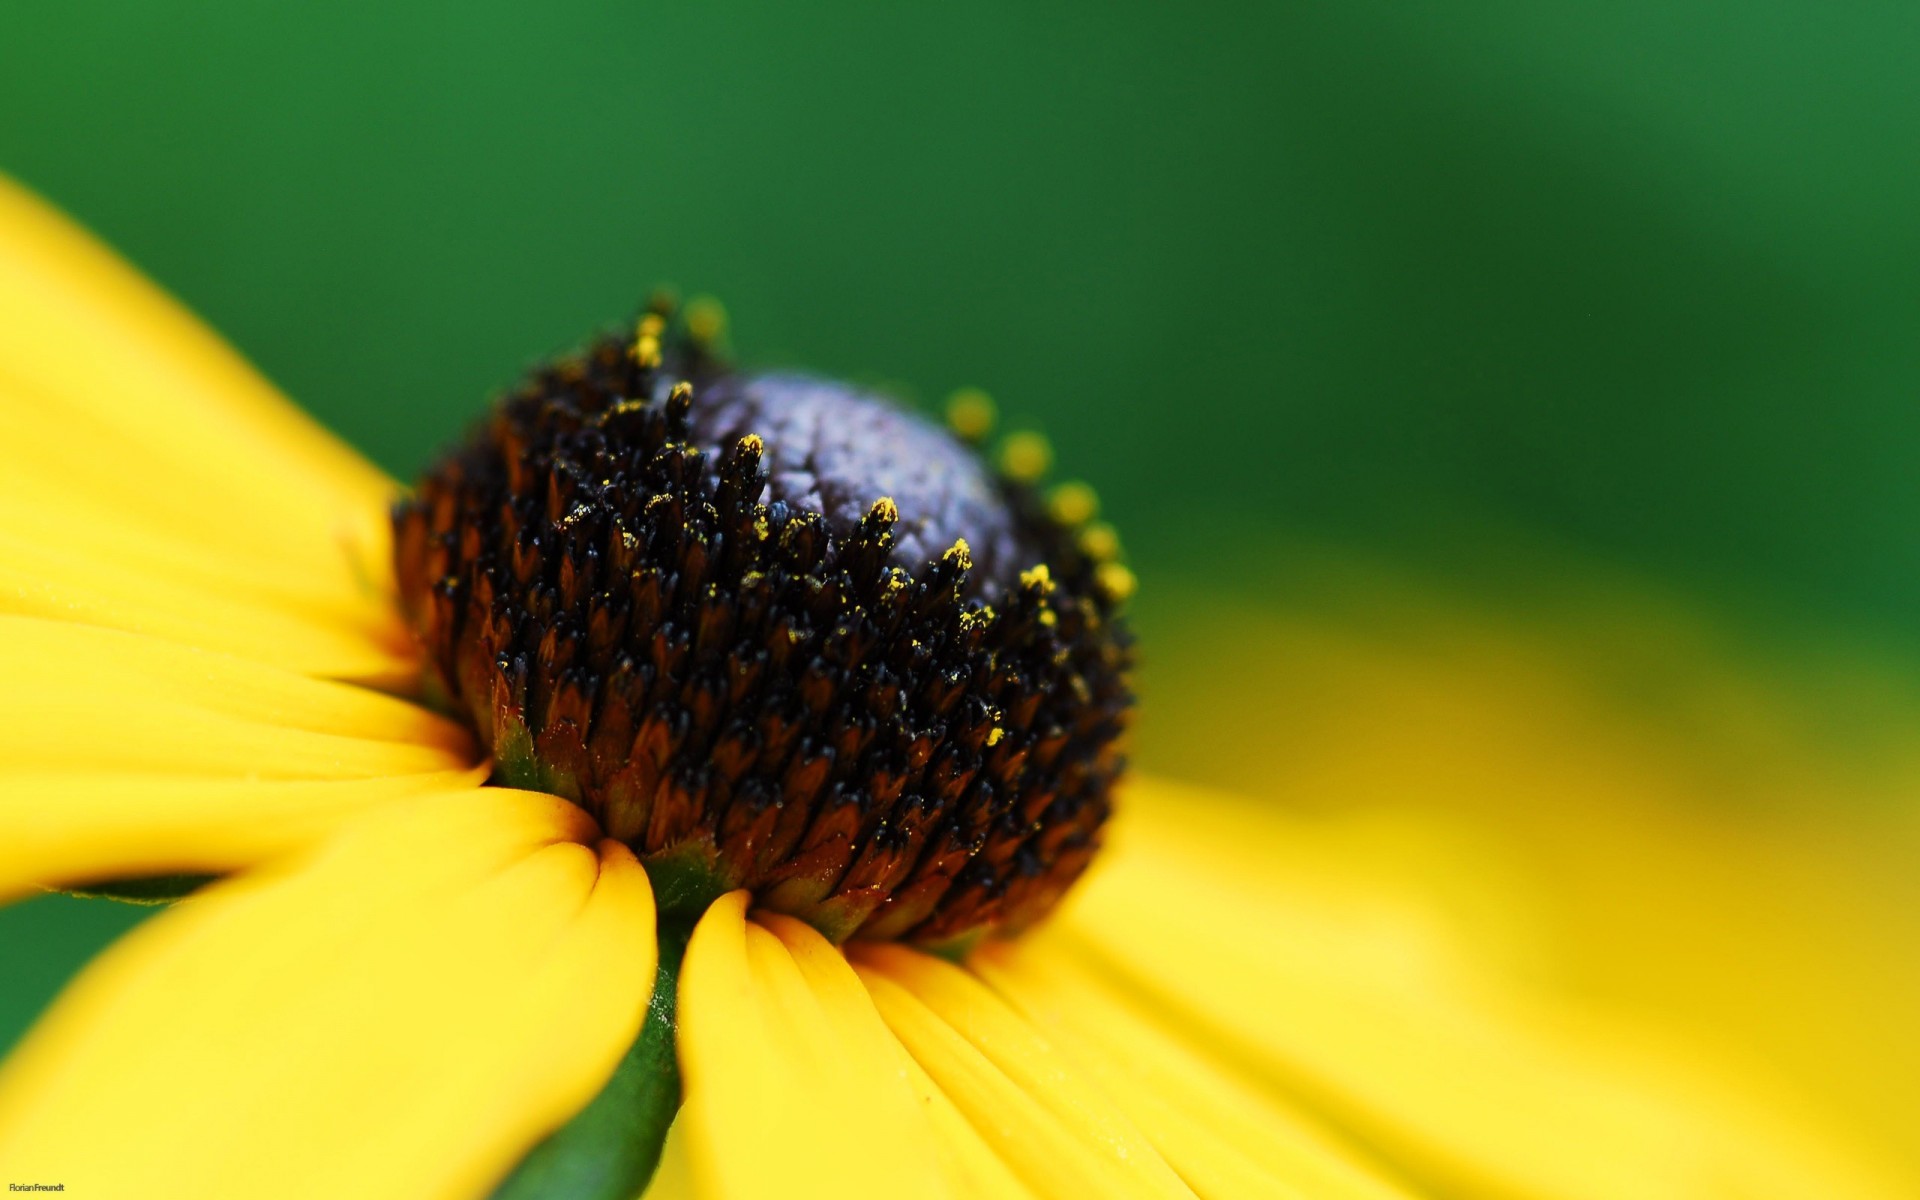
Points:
(726, 655)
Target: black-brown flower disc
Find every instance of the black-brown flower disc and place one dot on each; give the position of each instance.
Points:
(775, 633)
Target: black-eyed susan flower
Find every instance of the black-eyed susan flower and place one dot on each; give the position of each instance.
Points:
(689, 750)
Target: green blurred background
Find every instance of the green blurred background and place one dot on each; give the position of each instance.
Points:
(1639, 283)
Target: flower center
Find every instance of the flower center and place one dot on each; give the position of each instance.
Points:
(777, 634)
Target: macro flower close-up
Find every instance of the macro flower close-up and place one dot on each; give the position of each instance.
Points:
(708, 774)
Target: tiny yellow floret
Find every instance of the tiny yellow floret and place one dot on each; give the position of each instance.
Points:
(1073, 503)
(646, 339)
(706, 319)
(971, 414)
(1116, 580)
(1100, 542)
(1025, 456)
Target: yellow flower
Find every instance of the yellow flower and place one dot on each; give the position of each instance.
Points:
(410, 978)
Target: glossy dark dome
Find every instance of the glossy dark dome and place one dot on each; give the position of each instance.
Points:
(739, 620)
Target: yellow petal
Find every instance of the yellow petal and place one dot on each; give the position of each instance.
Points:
(403, 1015)
(1698, 822)
(79, 696)
(1225, 1136)
(969, 1160)
(673, 1177)
(80, 320)
(1057, 1132)
(970, 1165)
(78, 827)
(1363, 1013)
(55, 576)
(793, 1086)
(122, 754)
(124, 423)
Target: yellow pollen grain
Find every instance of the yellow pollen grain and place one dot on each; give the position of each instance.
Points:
(961, 554)
(752, 444)
(1115, 579)
(884, 510)
(1100, 542)
(971, 414)
(995, 735)
(706, 319)
(1025, 456)
(1037, 577)
(1073, 503)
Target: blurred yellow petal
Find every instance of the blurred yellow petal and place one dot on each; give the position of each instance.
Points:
(83, 697)
(1057, 1133)
(1223, 1135)
(793, 1086)
(402, 1016)
(1363, 1012)
(124, 422)
(48, 576)
(123, 755)
(78, 827)
(1700, 825)
(673, 1178)
(103, 339)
